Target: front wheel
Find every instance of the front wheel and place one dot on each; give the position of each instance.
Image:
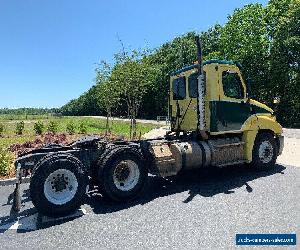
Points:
(58, 185)
(264, 152)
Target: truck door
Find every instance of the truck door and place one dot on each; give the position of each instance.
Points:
(231, 110)
(184, 102)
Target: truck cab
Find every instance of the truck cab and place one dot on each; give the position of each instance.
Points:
(228, 107)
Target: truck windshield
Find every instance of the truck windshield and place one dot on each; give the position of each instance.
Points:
(232, 85)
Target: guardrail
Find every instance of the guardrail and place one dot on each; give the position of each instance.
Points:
(163, 119)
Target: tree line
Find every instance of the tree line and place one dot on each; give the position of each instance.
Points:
(28, 111)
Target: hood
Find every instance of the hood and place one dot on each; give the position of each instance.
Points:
(259, 107)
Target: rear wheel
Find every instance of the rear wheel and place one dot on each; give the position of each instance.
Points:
(264, 152)
(122, 175)
(58, 185)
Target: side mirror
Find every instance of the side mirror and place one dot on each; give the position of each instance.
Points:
(276, 100)
(248, 86)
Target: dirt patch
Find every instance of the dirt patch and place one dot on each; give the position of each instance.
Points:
(40, 141)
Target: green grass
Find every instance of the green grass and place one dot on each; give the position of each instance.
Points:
(93, 125)
(5, 142)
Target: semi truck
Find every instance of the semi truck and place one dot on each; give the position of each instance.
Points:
(213, 123)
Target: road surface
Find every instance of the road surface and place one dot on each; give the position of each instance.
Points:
(197, 210)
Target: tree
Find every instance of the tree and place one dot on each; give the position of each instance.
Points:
(85, 104)
(274, 11)
(169, 57)
(133, 76)
(108, 94)
(211, 43)
(244, 39)
(108, 98)
(285, 59)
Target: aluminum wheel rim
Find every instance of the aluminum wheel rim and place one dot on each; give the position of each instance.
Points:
(132, 172)
(60, 186)
(265, 151)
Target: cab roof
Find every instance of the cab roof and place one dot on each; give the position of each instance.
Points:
(177, 72)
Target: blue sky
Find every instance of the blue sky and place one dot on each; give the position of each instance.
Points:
(49, 49)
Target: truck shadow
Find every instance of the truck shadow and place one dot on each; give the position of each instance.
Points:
(205, 182)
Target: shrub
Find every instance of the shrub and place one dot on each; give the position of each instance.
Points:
(6, 160)
(52, 127)
(2, 128)
(38, 127)
(20, 128)
(71, 128)
(82, 128)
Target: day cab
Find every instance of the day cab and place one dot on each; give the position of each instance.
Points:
(229, 111)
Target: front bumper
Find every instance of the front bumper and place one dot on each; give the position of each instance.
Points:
(280, 141)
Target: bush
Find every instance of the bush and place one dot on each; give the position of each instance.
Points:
(6, 161)
(82, 128)
(38, 127)
(20, 128)
(2, 128)
(71, 128)
(52, 127)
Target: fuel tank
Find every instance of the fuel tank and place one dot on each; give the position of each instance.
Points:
(191, 154)
(170, 157)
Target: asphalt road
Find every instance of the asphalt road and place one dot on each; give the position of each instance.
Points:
(197, 210)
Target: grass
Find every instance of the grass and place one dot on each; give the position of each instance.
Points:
(92, 125)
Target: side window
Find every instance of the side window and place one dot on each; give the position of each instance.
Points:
(193, 83)
(179, 88)
(232, 85)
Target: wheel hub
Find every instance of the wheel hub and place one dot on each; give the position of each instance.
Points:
(265, 152)
(126, 175)
(59, 183)
(122, 173)
(60, 186)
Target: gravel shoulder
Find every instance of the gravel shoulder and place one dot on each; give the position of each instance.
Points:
(291, 152)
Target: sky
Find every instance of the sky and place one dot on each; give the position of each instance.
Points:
(49, 49)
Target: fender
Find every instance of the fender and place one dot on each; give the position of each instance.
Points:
(253, 125)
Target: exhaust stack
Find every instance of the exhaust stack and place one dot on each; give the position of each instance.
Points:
(201, 91)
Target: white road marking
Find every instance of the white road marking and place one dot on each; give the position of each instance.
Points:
(22, 223)
(10, 225)
(15, 225)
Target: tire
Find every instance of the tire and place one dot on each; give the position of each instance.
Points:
(58, 184)
(264, 153)
(122, 175)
